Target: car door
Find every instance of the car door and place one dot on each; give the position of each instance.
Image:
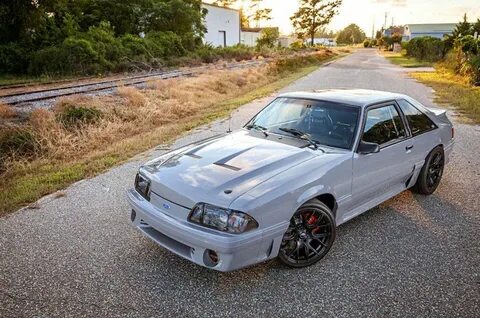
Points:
(377, 174)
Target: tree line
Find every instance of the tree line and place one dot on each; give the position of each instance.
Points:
(90, 36)
(459, 51)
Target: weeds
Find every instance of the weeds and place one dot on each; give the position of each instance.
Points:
(6, 112)
(73, 116)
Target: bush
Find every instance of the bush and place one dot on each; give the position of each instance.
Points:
(468, 44)
(74, 116)
(297, 45)
(73, 56)
(426, 48)
(467, 50)
(366, 43)
(208, 54)
(16, 142)
(104, 42)
(13, 58)
(135, 47)
(268, 38)
(165, 44)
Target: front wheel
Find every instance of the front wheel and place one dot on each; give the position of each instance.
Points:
(431, 173)
(310, 235)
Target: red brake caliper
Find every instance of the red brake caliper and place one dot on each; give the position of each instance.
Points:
(312, 219)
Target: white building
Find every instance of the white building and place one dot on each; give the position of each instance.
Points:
(249, 36)
(223, 25)
(321, 41)
(286, 41)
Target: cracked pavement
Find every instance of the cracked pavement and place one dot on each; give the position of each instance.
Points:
(78, 256)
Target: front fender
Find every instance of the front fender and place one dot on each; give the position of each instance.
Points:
(313, 192)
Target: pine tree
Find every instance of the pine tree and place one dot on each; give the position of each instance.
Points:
(462, 28)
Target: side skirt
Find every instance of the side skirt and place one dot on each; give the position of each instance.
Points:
(373, 203)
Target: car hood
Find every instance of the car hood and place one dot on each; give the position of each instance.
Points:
(219, 170)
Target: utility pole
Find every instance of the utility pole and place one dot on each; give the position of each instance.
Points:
(373, 29)
(385, 24)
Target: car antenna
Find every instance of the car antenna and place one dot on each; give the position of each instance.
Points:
(229, 123)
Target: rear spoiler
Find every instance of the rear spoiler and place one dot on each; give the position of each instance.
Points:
(440, 114)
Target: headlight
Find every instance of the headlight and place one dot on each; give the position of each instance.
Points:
(142, 185)
(222, 219)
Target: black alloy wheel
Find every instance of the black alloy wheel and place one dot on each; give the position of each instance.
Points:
(431, 173)
(310, 235)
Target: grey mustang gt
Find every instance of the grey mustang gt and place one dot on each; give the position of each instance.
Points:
(280, 186)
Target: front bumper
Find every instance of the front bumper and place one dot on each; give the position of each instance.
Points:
(193, 242)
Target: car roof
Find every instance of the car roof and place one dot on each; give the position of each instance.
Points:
(356, 97)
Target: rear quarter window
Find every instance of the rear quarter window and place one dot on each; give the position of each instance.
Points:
(418, 121)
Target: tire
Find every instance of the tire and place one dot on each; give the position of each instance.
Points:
(310, 235)
(431, 173)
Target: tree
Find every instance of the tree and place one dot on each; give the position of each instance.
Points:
(324, 33)
(259, 14)
(462, 28)
(352, 34)
(268, 38)
(224, 3)
(312, 15)
(397, 37)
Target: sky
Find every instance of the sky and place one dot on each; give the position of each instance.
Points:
(366, 13)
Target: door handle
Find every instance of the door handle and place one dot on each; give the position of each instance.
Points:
(407, 148)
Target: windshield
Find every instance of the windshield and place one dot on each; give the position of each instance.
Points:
(326, 123)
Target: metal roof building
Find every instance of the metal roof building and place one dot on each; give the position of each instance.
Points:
(436, 30)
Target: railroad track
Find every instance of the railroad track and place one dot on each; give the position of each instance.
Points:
(45, 94)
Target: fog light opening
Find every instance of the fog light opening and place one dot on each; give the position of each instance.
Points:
(211, 258)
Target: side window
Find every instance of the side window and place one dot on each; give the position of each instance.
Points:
(383, 125)
(418, 121)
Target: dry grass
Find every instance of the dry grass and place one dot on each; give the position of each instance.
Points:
(6, 112)
(82, 136)
(132, 96)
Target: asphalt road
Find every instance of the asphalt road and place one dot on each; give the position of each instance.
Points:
(413, 256)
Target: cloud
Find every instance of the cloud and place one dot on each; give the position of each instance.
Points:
(394, 3)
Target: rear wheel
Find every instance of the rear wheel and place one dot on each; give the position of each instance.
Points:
(431, 173)
(310, 235)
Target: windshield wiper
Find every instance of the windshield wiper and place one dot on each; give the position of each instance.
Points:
(259, 128)
(300, 134)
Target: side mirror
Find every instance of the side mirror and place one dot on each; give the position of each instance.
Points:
(366, 148)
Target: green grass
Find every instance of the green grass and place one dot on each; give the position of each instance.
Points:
(405, 61)
(41, 178)
(452, 90)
